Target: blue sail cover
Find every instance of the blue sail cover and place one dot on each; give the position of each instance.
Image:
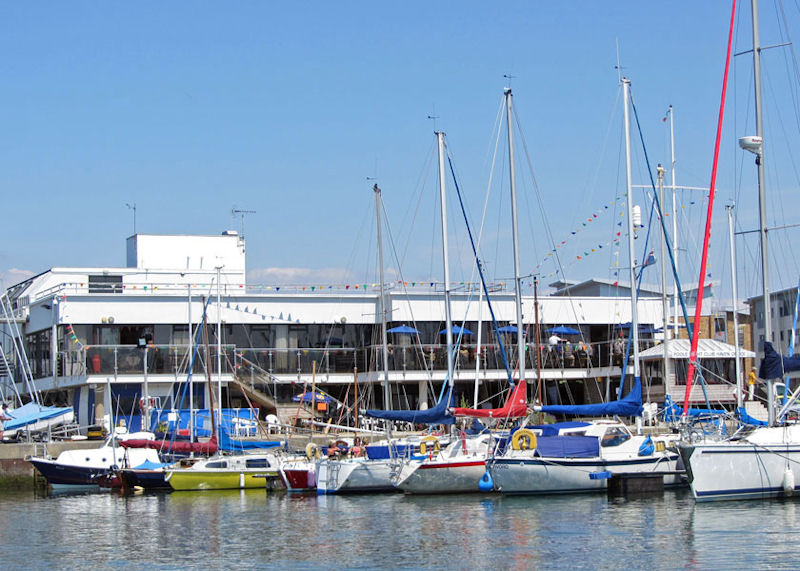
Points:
(775, 365)
(435, 415)
(234, 444)
(629, 405)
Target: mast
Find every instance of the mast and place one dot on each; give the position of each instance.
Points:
(762, 201)
(191, 385)
(626, 87)
(675, 293)
(445, 262)
(537, 341)
(737, 362)
(664, 302)
(387, 404)
(517, 279)
(219, 344)
(478, 346)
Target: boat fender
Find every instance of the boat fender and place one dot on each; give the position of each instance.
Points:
(431, 441)
(312, 451)
(788, 481)
(486, 484)
(523, 439)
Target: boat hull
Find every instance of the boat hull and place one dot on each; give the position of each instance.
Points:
(732, 471)
(145, 479)
(355, 476)
(533, 475)
(452, 477)
(191, 479)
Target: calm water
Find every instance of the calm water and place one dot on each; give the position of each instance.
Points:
(250, 529)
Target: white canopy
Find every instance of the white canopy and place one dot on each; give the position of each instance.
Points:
(706, 349)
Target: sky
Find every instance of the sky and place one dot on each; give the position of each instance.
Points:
(189, 110)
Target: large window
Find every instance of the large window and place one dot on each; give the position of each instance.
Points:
(105, 284)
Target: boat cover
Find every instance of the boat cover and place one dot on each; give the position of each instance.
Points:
(174, 446)
(148, 465)
(774, 365)
(436, 415)
(228, 443)
(568, 446)
(31, 413)
(629, 405)
(516, 406)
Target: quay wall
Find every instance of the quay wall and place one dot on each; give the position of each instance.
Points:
(18, 473)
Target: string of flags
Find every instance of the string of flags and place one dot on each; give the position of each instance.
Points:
(73, 337)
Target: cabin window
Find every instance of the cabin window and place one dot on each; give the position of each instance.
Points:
(257, 463)
(221, 464)
(614, 437)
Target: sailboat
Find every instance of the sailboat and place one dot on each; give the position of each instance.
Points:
(765, 462)
(459, 467)
(581, 457)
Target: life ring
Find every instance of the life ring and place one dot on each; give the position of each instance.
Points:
(312, 451)
(524, 439)
(434, 444)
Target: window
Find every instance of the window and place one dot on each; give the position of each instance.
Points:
(105, 284)
(219, 464)
(257, 463)
(614, 437)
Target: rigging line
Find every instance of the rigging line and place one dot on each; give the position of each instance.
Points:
(668, 246)
(424, 175)
(483, 281)
(400, 275)
(548, 230)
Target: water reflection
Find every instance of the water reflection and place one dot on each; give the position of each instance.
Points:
(253, 529)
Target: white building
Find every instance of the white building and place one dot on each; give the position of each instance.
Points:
(88, 329)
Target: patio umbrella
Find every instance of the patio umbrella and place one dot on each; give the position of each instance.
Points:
(403, 329)
(563, 330)
(457, 329)
(507, 329)
(317, 397)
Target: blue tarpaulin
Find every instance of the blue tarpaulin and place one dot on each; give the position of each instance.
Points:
(568, 446)
(775, 365)
(629, 405)
(436, 415)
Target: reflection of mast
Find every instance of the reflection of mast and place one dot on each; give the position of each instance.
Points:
(517, 279)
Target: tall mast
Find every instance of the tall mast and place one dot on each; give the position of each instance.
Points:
(517, 279)
(219, 344)
(675, 293)
(191, 385)
(387, 404)
(737, 362)
(626, 88)
(445, 260)
(664, 301)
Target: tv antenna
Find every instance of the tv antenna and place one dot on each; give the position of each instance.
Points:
(132, 207)
(241, 214)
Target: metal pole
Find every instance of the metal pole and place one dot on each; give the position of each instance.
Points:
(737, 358)
(146, 397)
(445, 260)
(191, 381)
(675, 293)
(626, 86)
(517, 279)
(387, 401)
(664, 302)
(762, 201)
(219, 344)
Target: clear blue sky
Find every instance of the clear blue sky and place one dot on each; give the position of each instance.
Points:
(189, 108)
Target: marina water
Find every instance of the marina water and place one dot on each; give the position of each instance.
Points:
(253, 529)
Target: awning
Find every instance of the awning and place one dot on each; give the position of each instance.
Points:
(706, 349)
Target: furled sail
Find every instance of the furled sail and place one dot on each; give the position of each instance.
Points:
(774, 365)
(516, 406)
(436, 415)
(629, 405)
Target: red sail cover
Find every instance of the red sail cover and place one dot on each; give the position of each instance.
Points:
(177, 446)
(516, 406)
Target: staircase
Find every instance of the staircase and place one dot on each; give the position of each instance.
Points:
(756, 410)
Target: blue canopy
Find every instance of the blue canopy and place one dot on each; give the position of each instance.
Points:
(435, 415)
(629, 405)
(457, 329)
(148, 465)
(307, 397)
(403, 329)
(507, 329)
(774, 365)
(563, 330)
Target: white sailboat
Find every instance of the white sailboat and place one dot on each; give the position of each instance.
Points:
(336, 476)
(582, 458)
(766, 462)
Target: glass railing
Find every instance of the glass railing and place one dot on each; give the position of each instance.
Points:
(109, 360)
